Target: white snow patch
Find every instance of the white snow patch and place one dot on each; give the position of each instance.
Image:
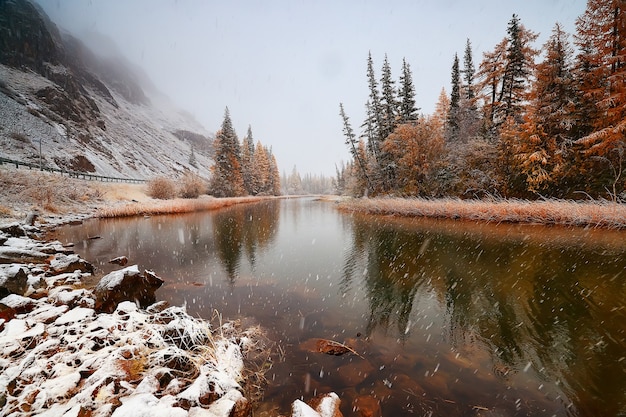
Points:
(77, 314)
(147, 405)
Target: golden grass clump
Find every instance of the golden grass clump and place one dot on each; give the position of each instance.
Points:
(599, 214)
(175, 206)
(191, 186)
(161, 188)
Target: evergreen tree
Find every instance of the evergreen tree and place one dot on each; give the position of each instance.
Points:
(375, 108)
(353, 146)
(274, 177)
(227, 180)
(469, 73)
(455, 102)
(389, 101)
(407, 110)
(519, 64)
(192, 159)
(247, 161)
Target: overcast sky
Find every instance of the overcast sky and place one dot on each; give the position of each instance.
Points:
(283, 67)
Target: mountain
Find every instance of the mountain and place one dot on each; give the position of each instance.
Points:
(87, 110)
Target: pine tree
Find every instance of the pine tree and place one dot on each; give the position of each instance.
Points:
(469, 73)
(601, 36)
(468, 119)
(227, 180)
(192, 159)
(353, 146)
(389, 101)
(519, 65)
(247, 161)
(274, 177)
(455, 102)
(407, 110)
(375, 114)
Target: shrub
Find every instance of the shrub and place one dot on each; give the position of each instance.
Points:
(161, 188)
(191, 186)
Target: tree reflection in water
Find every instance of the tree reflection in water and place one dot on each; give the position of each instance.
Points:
(243, 230)
(532, 300)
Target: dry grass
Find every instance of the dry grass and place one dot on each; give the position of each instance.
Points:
(22, 191)
(176, 206)
(162, 188)
(597, 214)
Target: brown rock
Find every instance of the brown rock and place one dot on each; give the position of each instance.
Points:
(367, 406)
(326, 405)
(354, 373)
(242, 408)
(120, 260)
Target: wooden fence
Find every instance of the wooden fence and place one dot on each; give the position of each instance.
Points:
(72, 174)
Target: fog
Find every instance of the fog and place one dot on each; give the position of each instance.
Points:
(283, 66)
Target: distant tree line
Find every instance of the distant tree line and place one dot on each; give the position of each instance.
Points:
(526, 123)
(242, 168)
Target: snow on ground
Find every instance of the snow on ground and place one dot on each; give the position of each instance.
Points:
(60, 357)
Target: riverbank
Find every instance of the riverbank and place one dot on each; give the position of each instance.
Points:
(63, 353)
(597, 214)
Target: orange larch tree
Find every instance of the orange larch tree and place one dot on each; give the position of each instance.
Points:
(601, 38)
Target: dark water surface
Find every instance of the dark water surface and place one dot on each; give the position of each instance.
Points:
(451, 318)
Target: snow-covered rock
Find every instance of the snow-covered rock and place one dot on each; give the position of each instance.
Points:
(61, 357)
(126, 284)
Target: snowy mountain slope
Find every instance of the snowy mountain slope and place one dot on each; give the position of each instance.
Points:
(87, 114)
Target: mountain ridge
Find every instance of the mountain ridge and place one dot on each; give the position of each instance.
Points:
(59, 96)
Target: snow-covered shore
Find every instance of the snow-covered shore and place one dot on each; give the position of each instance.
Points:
(61, 354)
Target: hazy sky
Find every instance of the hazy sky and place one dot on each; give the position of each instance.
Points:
(283, 67)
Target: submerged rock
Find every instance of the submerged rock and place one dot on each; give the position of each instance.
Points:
(325, 405)
(126, 284)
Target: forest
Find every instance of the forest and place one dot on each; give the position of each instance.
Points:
(527, 122)
(242, 168)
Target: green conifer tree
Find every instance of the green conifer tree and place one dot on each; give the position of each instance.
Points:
(227, 180)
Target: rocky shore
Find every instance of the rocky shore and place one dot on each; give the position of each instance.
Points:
(71, 349)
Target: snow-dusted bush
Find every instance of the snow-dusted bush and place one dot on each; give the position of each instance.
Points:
(161, 188)
(191, 186)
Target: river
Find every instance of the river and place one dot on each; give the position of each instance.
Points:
(450, 318)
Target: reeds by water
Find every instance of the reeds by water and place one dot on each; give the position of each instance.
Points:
(596, 214)
(175, 206)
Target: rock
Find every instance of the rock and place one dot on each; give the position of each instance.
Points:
(11, 255)
(354, 373)
(126, 285)
(69, 263)
(18, 303)
(13, 230)
(120, 260)
(13, 280)
(367, 406)
(31, 218)
(326, 405)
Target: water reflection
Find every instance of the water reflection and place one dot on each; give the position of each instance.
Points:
(519, 320)
(537, 305)
(244, 230)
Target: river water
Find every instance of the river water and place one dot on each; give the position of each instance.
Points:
(450, 318)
